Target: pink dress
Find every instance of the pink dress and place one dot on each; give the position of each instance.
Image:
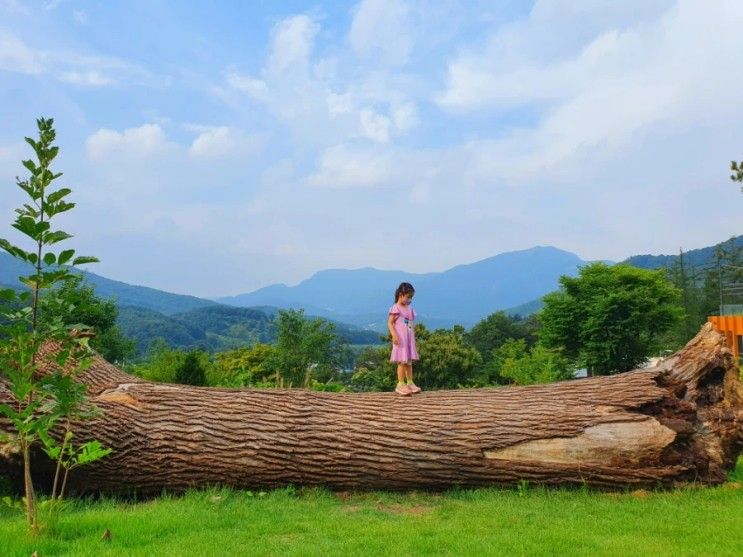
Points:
(404, 327)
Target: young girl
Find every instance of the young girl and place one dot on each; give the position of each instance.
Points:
(401, 327)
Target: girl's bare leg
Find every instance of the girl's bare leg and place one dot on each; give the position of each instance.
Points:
(409, 379)
(401, 373)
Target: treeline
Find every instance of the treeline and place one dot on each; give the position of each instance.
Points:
(213, 328)
(708, 287)
(608, 319)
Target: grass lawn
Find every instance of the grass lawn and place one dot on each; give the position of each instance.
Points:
(527, 521)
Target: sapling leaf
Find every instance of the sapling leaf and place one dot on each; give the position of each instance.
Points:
(57, 195)
(57, 236)
(65, 256)
(85, 259)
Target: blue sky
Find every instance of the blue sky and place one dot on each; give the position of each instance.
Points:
(214, 148)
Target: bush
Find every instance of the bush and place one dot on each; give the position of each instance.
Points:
(191, 372)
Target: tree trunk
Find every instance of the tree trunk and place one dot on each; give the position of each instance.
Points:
(680, 421)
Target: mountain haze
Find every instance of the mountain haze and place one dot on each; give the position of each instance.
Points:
(461, 295)
(125, 294)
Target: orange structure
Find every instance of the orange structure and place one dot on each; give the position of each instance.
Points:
(732, 327)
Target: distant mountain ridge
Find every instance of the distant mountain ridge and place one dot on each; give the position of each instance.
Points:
(461, 295)
(513, 282)
(694, 258)
(124, 293)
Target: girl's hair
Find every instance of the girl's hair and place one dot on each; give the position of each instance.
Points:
(404, 288)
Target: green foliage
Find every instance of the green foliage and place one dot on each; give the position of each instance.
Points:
(515, 363)
(737, 169)
(190, 371)
(41, 384)
(609, 319)
(160, 364)
(306, 349)
(447, 361)
(327, 387)
(75, 303)
(243, 367)
(493, 331)
(214, 328)
(373, 370)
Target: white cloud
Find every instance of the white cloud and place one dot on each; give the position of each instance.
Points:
(87, 79)
(404, 116)
(622, 83)
(381, 28)
(255, 88)
(325, 101)
(16, 56)
(71, 67)
(291, 44)
(345, 166)
(221, 141)
(339, 104)
(374, 126)
(141, 142)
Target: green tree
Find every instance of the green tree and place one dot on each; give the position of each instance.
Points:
(518, 364)
(737, 169)
(722, 278)
(493, 331)
(75, 302)
(242, 367)
(42, 384)
(609, 319)
(306, 349)
(373, 370)
(160, 362)
(447, 360)
(190, 371)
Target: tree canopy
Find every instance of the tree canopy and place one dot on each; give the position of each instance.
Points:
(609, 318)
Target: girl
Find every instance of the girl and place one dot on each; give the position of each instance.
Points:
(400, 325)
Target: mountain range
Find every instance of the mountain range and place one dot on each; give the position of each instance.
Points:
(513, 282)
(461, 295)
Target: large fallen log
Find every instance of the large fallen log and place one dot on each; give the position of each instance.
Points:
(680, 421)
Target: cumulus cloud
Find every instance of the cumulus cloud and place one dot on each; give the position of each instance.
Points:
(323, 101)
(145, 141)
(622, 82)
(381, 28)
(291, 44)
(221, 141)
(345, 166)
(375, 126)
(255, 88)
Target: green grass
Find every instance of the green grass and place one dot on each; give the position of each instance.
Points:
(526, 521)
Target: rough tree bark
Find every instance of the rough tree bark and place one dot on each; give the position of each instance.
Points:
(680, 421)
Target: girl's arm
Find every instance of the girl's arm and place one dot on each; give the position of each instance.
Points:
(391, 326)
